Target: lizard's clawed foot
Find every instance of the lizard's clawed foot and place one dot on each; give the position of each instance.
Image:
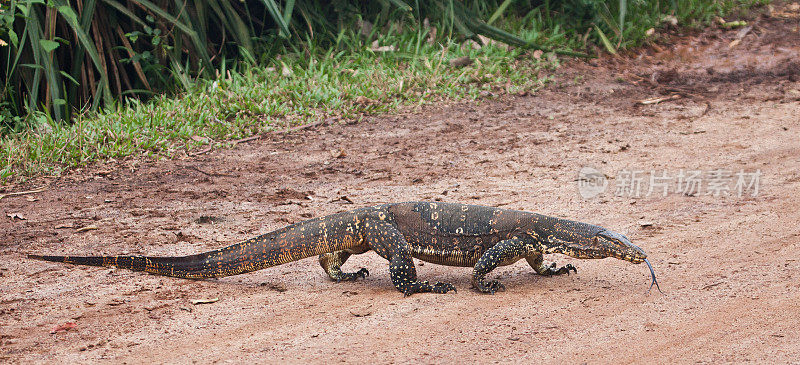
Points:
(551, 270)
(352, 276)
(490, 286)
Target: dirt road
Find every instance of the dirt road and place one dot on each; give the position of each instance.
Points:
(729, 265)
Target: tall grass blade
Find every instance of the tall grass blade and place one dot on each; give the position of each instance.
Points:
(401, 5)
(277, 17)
(609, 46)
(623, 10)
(500, 10)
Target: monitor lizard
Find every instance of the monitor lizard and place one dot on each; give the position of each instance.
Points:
(442, 233)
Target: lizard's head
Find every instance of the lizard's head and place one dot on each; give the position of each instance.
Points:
(613, 244)
(586, 241)
(594, 242)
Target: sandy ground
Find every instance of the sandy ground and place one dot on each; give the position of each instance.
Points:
(728, 264)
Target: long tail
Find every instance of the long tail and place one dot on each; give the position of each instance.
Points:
(292, 243)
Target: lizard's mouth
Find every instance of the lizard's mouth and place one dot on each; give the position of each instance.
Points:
(620, 247)
(623, 249)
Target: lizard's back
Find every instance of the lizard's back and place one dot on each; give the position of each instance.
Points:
(452, 234)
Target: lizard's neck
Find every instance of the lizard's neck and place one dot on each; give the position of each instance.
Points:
(554, 232)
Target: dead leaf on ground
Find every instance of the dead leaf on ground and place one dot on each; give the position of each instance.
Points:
(365, 101)
(739, 36)
(63, 327)
(286, 71)
(204, 301)
(486, 41)
(670, 19)
(338, 153)
(432, 35)
(376, 48)
(343, 198)
(743, 32)
(16, 216)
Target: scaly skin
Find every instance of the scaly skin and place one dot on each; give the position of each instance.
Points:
(440, 233)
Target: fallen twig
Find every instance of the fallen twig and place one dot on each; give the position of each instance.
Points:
(659, 99)
(306, 126)
(709, 286)
(90, 227)
(206, 150)
(287, 130)
(24, 192)
(248, 139)
(204, 301)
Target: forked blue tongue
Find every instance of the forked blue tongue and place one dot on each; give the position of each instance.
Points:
(652, 274)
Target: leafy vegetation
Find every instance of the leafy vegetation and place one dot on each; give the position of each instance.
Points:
(245, 67)
(64, 55)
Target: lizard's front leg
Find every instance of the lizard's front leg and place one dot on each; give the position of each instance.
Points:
(388, 242)
(503, 252)
(332, 264)
(537, 263)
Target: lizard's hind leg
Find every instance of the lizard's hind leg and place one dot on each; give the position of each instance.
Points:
(537, 263)
(332, 264)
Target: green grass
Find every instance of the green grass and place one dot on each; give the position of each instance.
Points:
(346, 80)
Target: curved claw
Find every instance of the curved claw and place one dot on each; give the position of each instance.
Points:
(552, 270)
(353, 276)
